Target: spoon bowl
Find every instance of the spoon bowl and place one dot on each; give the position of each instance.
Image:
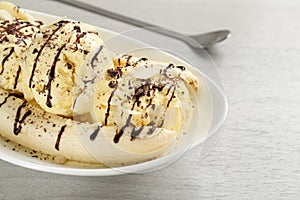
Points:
(211, 38)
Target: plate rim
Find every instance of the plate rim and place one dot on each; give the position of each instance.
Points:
(136, 168)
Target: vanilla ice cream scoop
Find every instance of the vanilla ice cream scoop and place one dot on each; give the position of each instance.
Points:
(144, 102)
(16, 31)
(43, 62)
(15, 38)
(53, 62)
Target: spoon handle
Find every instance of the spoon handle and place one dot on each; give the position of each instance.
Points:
(132, 21)
(106, 13)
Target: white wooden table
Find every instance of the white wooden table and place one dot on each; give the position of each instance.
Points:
(258, 154)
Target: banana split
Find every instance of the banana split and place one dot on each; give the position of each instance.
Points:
(54, 75)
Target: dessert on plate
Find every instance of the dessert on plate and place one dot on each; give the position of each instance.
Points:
(64, 93)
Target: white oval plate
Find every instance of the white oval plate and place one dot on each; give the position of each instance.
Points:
(213, 104)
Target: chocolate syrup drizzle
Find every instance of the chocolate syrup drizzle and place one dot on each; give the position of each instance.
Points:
(181, 67)
(127, 61)
(164, 72)
(136, 132)
(18, 122)
(5, 100)
(120, 133)
(10, 95)
(52, 76)
(108, 104)
(17, 77)
(27, 24)
(17, 126)
(78, 37)
(95, 133)
(93, 65)
(173, 94)
(138, 61)
(60, 24)
(62, 129)
(5, 59)
(94, 58)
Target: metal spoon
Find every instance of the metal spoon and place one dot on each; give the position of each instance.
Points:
(204, 39)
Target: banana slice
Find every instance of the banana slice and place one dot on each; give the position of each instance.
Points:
(34, 128)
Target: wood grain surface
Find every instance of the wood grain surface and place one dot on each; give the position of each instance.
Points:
(258, 154)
